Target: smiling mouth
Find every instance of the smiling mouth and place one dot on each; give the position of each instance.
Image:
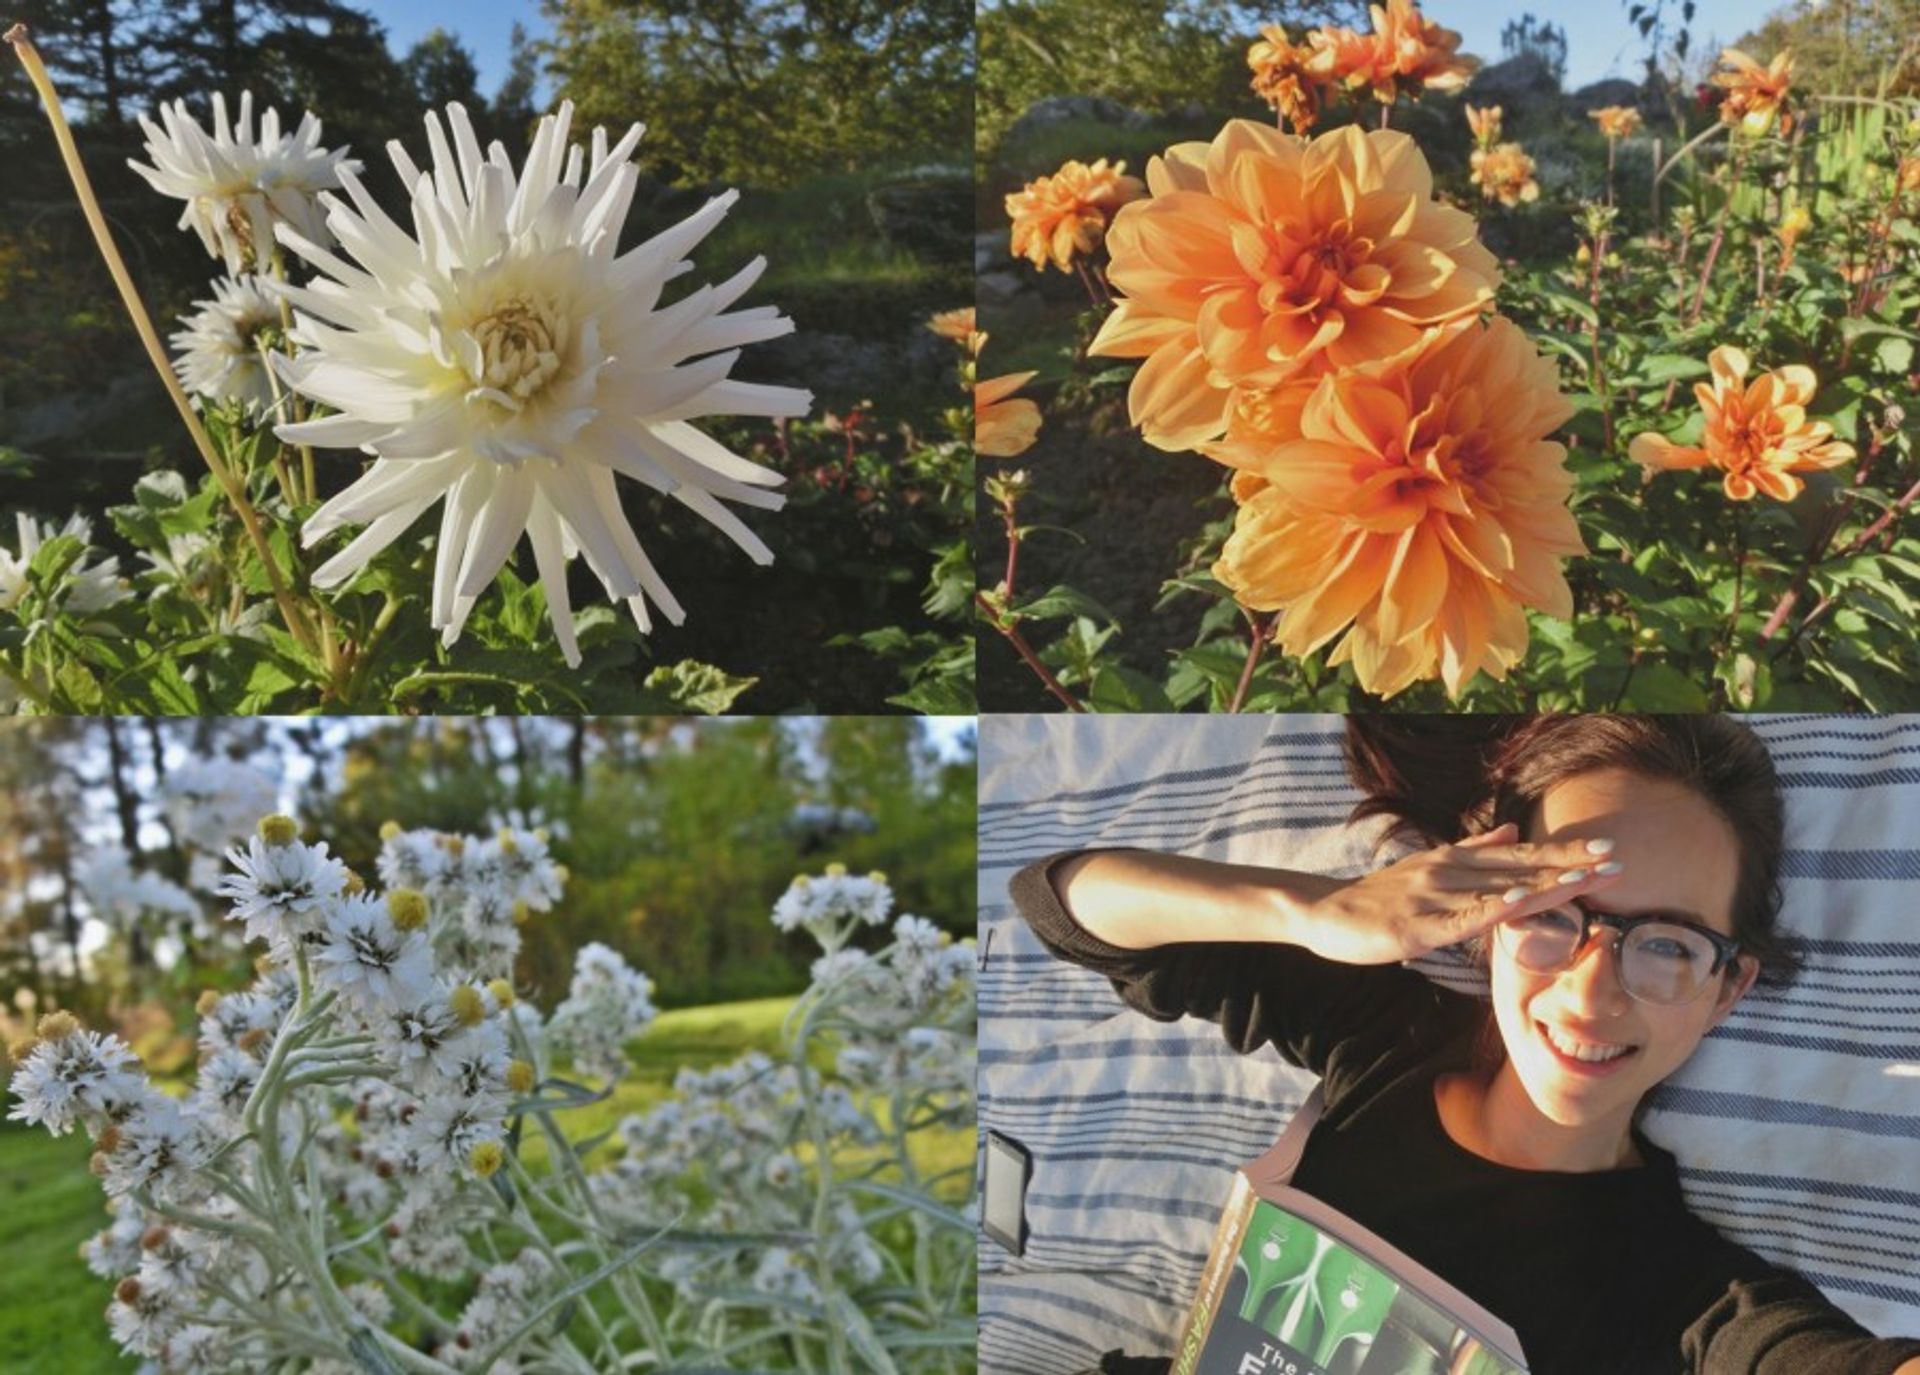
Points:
(1585, 1057)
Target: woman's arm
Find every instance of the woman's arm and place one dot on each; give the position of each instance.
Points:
(1138, 900)
(1274, 956)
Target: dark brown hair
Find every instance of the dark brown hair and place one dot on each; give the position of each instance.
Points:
(1447, 777)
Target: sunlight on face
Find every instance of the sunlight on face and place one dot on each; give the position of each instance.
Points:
(1680, 858)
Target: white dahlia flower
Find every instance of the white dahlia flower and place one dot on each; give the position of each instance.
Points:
(236, 187)
(218, 357)
(506, 358)
(86, 587)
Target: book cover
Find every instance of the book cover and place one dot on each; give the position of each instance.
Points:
(1292, 1287)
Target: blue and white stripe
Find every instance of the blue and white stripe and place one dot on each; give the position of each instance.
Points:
(1797, 1124)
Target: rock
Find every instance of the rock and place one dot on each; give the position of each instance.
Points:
(926, 216)
(990, 249)
(1002, 283)
(1514, 84)
(1613, 91)
(1065, 108)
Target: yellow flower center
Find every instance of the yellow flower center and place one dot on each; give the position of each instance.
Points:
(520, 345)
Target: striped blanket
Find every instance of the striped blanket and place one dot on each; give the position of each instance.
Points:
(1796, 1124)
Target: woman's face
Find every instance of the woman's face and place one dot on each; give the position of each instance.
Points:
(1679, 858)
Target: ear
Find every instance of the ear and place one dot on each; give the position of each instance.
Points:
(1733, 987)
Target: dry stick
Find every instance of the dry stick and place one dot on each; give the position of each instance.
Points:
(23, 48)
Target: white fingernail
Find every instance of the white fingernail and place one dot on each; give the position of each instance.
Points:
(1574, 876)
(1611, 867)
(1600, 846)
(1514, 894)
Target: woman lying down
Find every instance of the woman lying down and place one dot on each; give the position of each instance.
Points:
(1618, 877)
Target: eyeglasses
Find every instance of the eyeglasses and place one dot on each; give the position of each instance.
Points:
(1659, 959)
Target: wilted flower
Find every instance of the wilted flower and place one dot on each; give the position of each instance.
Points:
(238, 188)
(219, 356)
(85, 587)
(1404, 55)
(1906, 176)
(1281, 78)
(1262, 256)
(1758, 435)
(1616, 121)
(1420, 509)
(1004, 424)
(1066, 214)
(1755, 95)
(1485, 124)
(961, 327)
(509, 361)
(1796, 222)
(1505, 173)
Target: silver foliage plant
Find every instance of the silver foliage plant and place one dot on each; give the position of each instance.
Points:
(372, 1171)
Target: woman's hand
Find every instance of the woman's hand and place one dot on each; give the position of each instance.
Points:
(1449, 894)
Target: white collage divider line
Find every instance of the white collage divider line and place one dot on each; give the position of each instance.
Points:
(1792, 1132)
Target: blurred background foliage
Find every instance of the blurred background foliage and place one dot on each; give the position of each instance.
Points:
(679, 835)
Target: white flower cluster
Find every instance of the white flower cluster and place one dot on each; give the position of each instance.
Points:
(120, 894)
(218, 350)
(607, 1005)
(480, 890)
(85, 588)
(725, 1152)
(356, 1123)
(211, 805)
(237, 186)
(833, 905)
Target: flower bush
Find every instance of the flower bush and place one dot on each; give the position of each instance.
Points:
(369, 1171)
(1510, 537)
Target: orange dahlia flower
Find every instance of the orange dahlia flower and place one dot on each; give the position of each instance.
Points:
(1756, 95)
(1280, 78)
(1058, 216)
(1417, 514)
(1004, 425)
(1261, 256)
(1405, 54)
(1616, 121)
(1485, 124)
(1758, 435)
(960, 326)
(1505, 173)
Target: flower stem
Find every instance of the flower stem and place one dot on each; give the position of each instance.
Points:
(296, 623)
(1258, 627)
(1719, 232)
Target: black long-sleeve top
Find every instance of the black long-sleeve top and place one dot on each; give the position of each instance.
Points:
(1599, 1273)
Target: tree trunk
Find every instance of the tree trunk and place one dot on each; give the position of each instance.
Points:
(119, 765)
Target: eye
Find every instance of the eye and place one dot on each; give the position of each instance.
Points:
(1561, 921)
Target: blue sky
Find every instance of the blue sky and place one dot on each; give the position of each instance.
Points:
(1600, 40)
(483, 26)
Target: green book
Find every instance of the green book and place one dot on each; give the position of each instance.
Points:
(1294, 1287)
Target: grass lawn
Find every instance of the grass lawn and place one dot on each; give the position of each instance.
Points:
(51, 1305)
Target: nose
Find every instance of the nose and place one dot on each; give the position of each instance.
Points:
(1591, 984)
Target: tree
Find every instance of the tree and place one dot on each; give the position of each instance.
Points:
(769, 91)
(1531, 37)
(1847, 47)
(441, 71)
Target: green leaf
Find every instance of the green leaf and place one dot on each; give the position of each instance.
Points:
(699, 687)
(1117, 688)
(1662, 687)
(1064, 601)
(1214, 666)
(1670, 367)
(938, 697)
